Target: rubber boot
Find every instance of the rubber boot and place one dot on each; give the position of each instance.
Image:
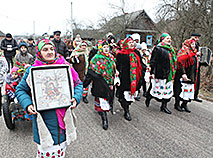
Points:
(148, 99)
(127, 115)
(85, 100)
(177, 106)
(164, 107)
(104, 120)
(185, 107)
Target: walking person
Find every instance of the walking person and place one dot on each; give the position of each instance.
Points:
(23, 56)
(186, 75)
(101, 73)
(60, 45)
(50, 130)
(196, 37)
(79, 60)
(9, 46)
(163, 64)
(128, 62)
(31, 47)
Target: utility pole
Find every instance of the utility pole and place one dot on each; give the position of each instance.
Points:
(71, 22)
(34, 30)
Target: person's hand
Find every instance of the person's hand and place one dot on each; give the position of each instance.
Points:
(148, 69)
(74, 103)
(199, 53)
(111, 87)
(185, 78)
(152, 76)
(116, 73)
(31, 109)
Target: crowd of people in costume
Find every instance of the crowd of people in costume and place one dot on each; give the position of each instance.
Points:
(113, 69)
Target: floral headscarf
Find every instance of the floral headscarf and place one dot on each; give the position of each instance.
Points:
(40, 45)
(135, 65)
(186, 53)
(98, 44)
(104, 64)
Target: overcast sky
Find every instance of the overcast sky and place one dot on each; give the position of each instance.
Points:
(17, 16)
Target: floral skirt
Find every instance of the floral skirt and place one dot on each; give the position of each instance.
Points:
(187, 91)
(54, 151)
(161, 89)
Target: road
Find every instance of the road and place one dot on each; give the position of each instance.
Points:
(150, 134)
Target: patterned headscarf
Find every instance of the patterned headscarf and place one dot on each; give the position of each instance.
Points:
(40, 45)
(172, 56)
(104, 64)
(135, 64)
(163, 36)
(186, 53)
(98, 44)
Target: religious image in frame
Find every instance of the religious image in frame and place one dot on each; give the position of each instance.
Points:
(52, 87)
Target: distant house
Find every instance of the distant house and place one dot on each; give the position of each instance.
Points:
(135, 22)
(2, 35)
(87, 34)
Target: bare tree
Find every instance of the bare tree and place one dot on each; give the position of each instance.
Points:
(181, 18)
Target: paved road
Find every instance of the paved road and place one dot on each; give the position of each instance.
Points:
(151, 134)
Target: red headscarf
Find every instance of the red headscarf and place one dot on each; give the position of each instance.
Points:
(186, 53)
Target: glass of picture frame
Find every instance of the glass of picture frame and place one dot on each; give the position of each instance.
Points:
(52, 87)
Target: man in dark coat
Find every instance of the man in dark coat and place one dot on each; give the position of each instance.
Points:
(9, 46)
(196, 37)
(31, 46)
(60, 46)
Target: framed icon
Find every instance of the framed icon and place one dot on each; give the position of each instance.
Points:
(52, 87)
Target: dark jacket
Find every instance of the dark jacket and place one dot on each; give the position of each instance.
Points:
(100, 88)
(61, 48)
(9, 44)
(189, 71)
(32, 49)
(92, 53)
(123, 66)
(160, 63)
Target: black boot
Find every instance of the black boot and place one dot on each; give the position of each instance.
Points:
(185, 107)
(104, 120)
(127, 115)
(85, 100)
(164, 108)
(177, 106)
(148, 99)
(138, 97)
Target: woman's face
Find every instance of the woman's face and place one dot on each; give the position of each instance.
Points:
(131, 44)
(48, 52)
(105, 49)
(14, 75)
(193, 45)
(83, 47)
(167, 40)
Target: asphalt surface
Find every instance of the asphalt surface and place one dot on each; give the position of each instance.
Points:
(150, 134)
